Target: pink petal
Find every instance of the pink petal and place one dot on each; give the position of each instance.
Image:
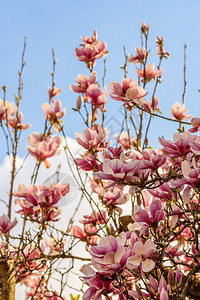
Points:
(148, 265)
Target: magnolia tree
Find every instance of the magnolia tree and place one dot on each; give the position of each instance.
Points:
(151, 253)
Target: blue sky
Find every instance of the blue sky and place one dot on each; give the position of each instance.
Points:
(60, 24)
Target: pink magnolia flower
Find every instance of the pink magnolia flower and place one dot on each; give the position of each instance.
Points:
(51, 246)
(125, 140)
(95, 218)
(160, 50)
(7, 109)
(98, 98)
(3, 245)
(149, 73)
(116, 171)
(55, 114)
(87, 162)
(92, 39)
(113, 152)
(83, 82)
(51, 195)
(180, 145)
(88, 234)
(162, 192)
(154, 103)
(110, 255)
(31, 256)
(178, 112)
(152, 160)
(94, 139)
(77, 232)
(141, 54)
(16, 122)
(5, 224)
(53, 92)
(39, 202)
(157, 214)
(174, 250)
(91, 50)
(100, 283)
(191, 176)
(127, 92)
(195, 146)
(113, 197)
(195, 122)
(144, 27)
(96, 185)
(141, 257)
(43, 147)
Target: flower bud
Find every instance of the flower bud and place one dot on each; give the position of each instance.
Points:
(78, 102)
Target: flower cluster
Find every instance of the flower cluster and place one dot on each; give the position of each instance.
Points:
(39, 202)
(89, 233)
(43, 147)
(91, 50)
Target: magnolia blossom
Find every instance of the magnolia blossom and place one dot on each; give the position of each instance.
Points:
(87, 162)
(144, 27)
(160, 50)
(83, 82)
(92, 39)
(91, 52)
(141, 54)
(110, 255)
(178, 112)
(7, 109)
(125, 139)
(88, 234)
(93, 139)
(141, 257)
(191, 175)
(152, 160)
(53, 92)
(113, 152)
(95, 218)
(116, 170)
(162, 192)
(113, 197)
(149, 73)
(91, 49)
(29, 262)
(98, 98)
(154, 103)
(180, 145)
(6, 225)
(43, 147)
(16, 122)
(38, 202)
(55, 114)
(195, 122)
(156, 214)
(128, 91)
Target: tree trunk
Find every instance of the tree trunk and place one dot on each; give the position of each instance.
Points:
(7, 280)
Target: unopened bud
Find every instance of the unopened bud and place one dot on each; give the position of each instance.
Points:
(178, 276)
(170, 278)
(78, 102)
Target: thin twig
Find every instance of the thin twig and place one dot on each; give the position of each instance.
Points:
(184, 73)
